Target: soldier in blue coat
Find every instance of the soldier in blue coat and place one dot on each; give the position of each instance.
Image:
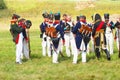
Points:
(81, 38)
(43, 26)
(59, 34)
(109, 32)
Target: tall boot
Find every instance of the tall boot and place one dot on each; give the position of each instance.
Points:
(108, 54)
(97, 53)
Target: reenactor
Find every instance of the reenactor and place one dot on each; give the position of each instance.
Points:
(117, 35)
(56, 33)
(69, 37)
(82, 34)
(16, 32)
(98, 33)
(25, 51)
(109, 33)
(49, 42)
(43, 27)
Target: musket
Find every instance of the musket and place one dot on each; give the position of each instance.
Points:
(28, 35)
(28, 24)
(119, 42)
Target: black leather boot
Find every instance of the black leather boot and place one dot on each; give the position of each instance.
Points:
(108, 54)
(97, 53)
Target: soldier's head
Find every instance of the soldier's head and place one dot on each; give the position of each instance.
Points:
(64, 16)
(51, 17)
(106, 17)
(15, 17)
(45, 16)
(77, 18)
(82, 18)
(57, 16)
(21, 22)
(97, 17)
(69, 18)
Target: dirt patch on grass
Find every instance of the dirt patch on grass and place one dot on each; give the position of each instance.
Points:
(80, 5)
(114, 17)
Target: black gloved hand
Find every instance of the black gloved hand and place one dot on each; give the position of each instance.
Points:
(41, 35)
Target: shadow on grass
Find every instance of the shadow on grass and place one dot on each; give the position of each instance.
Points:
(35, 56)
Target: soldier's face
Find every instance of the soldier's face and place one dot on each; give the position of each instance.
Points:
(15, 19)
(64, 17)
(69, 18)
(82, 19)
(46, 19)
(50, 20)
(107, 20)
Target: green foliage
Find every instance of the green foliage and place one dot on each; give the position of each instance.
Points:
(2, 5)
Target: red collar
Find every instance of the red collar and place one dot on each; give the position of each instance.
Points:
(56, 22)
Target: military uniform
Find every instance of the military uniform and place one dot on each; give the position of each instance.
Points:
(109, 33)
(98, 33)
(25, 51)
(49, 43)
(117, 36)
(56, 33)
(69, 38)
(43, 35)
(81, 39)
(16, 32)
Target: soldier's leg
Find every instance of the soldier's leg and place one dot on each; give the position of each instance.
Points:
(25, 49)
(67, 44)
(74, 50)
(44, 45)
(83, 48)
(97, 51)
(107, 41)
(56, 53)
(75, 57)
(111, 43)
(48, 47)
(55, 56)
(117, 41)
(88, 48)
(107, 53)
(19, 49)
(83, 56)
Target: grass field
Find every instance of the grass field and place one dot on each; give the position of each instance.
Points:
(41, 68)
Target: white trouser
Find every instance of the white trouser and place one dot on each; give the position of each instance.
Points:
(109, 40)
(44, 45)
(88, 49)
(118, 37)
(56, 53)
(82, 47)
(48, 46)
(25, 50)
(61, 45)
(70, 42)
(67, 43)
(19, 46)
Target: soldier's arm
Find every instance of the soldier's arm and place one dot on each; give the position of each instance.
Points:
(17, 29)
(75, 29)
(93, 30)
(59, 29)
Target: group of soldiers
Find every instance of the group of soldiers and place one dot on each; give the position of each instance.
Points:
(20, 33)
(75, 36)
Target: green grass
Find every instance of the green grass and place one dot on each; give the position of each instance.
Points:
(41, 68)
